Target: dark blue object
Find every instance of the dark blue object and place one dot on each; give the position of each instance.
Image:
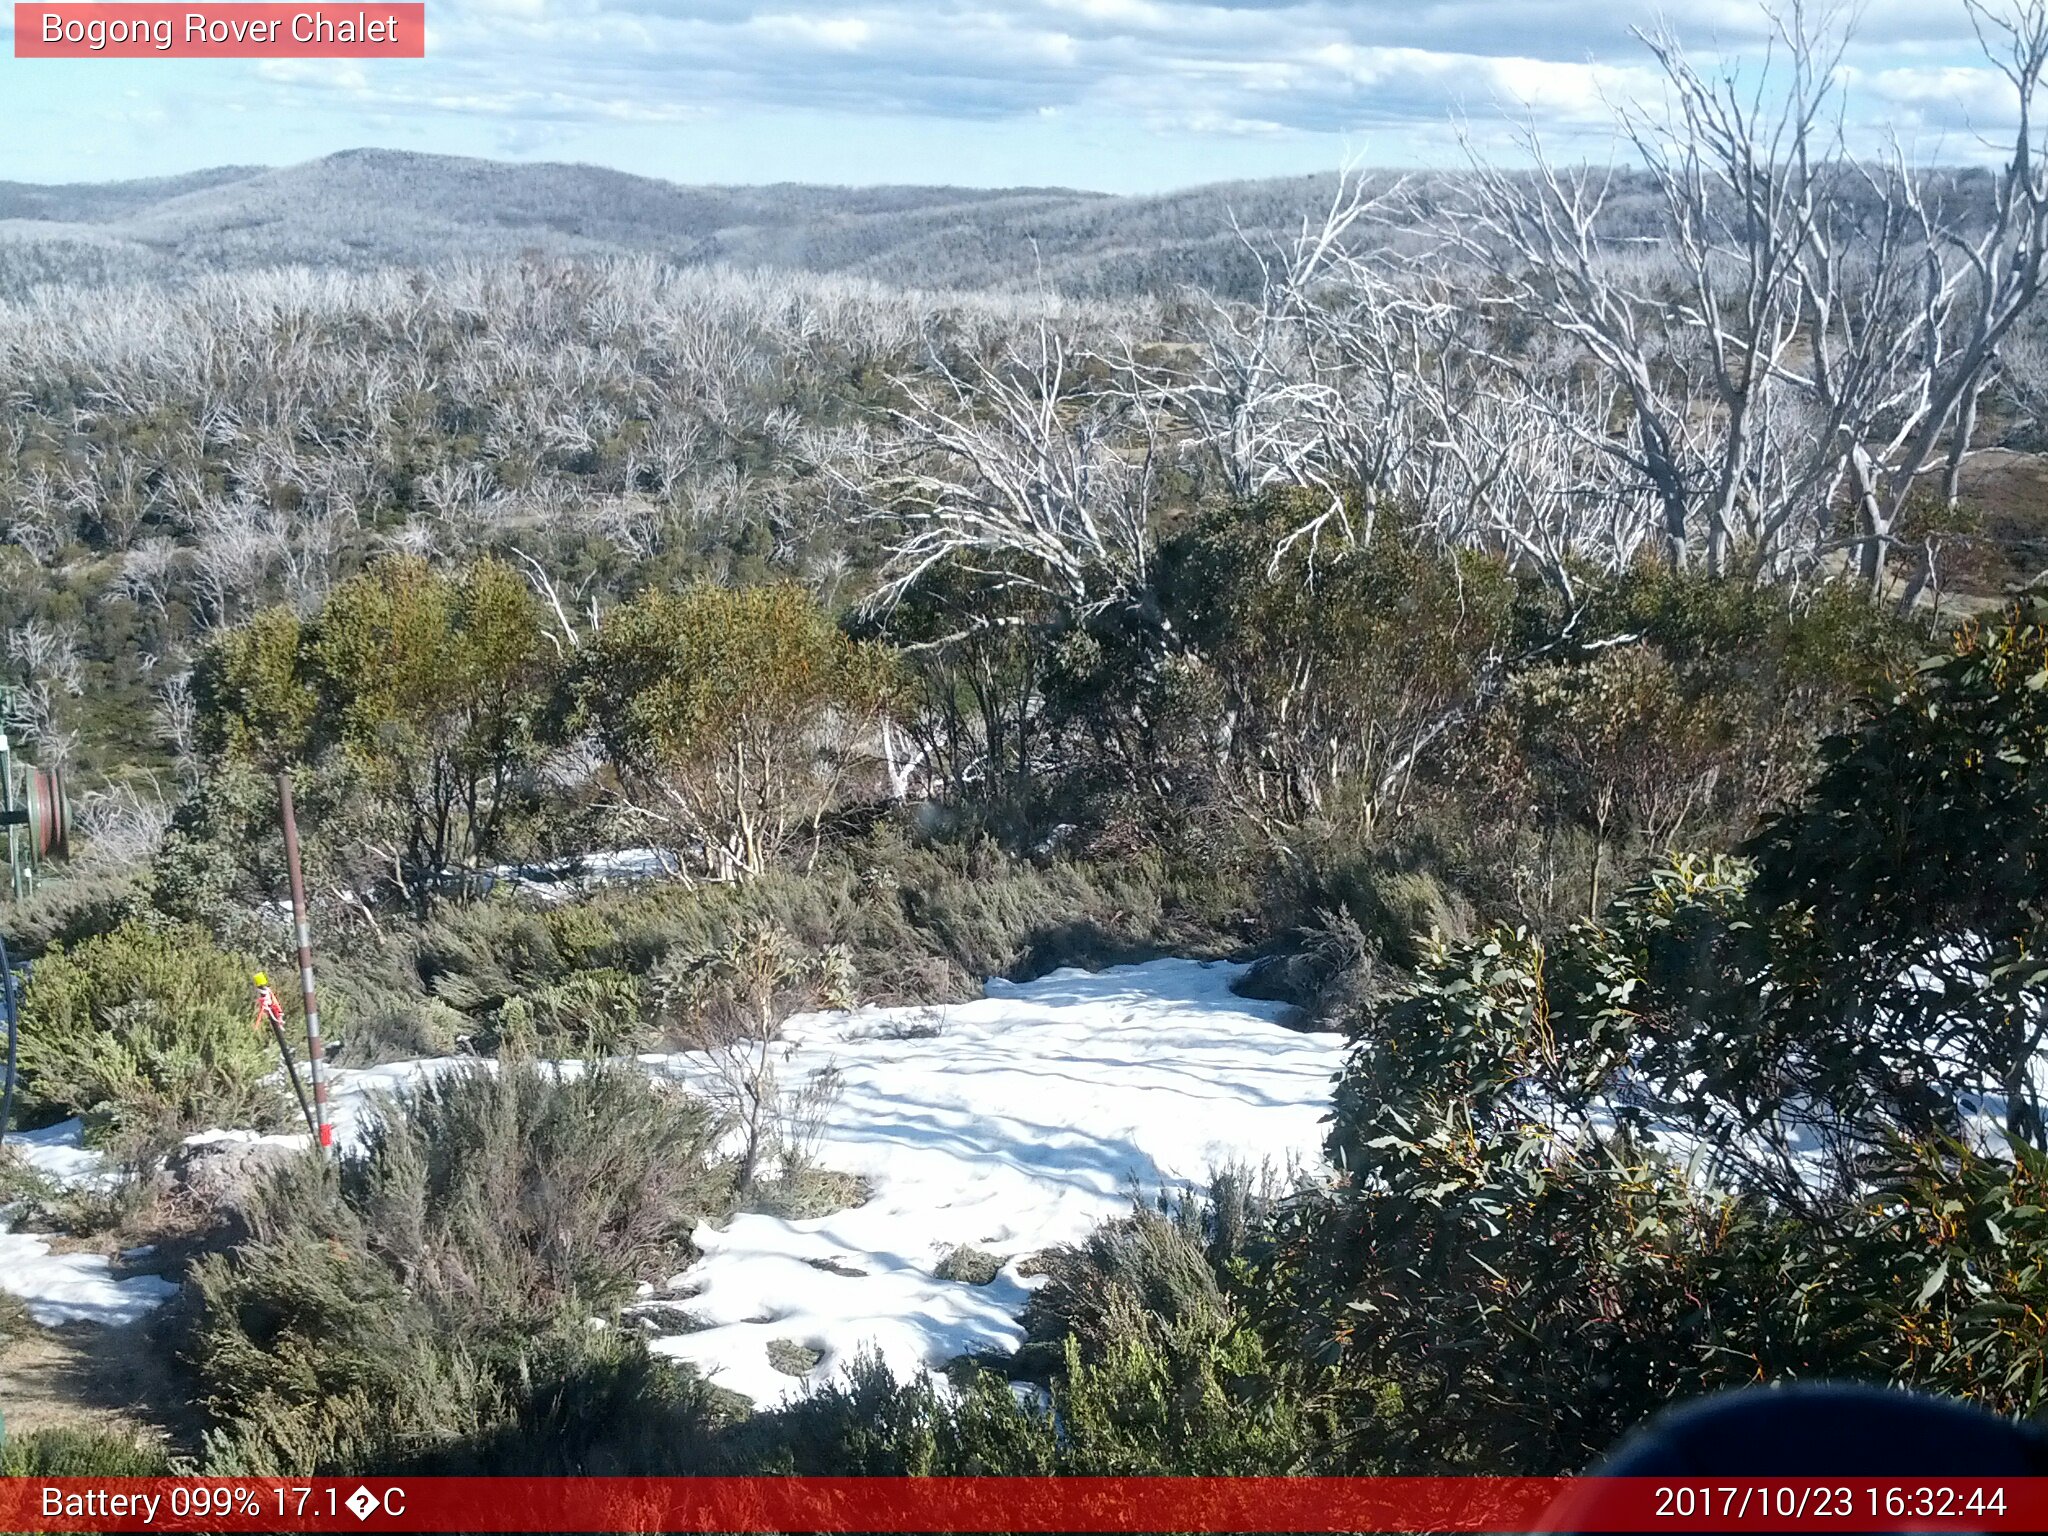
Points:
(1826, 1430)
(1816, 1430)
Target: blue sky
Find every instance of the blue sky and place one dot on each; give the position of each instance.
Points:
(1118, 95)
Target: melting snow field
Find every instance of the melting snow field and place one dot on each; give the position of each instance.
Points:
(1025, 1121)
(74, 1287)
(69, 1287)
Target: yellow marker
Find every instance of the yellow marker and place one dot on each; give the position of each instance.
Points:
(260, 979)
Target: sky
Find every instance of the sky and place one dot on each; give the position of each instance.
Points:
(1110, 95)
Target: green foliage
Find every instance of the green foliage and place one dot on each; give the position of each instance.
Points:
(1191, 1401)
(1391, 896)
(146, 1033)
(37, 1202)
(1186, 1403)
(1529, 1283)
(919, 922)
(436, 687)
(1331, 667)
(1617, 746)
(1912, 874)
(1950, 1274)
(1151, 1270)
(590, 1404)
(587, 1014)
(432, 1299)
(380, 1010)
(1514, 1248)
(423, 693)
(66, 1452)
(977, 655)
(253, 697)
(72, 907)
(738, 716)
(214, 861)
(1823, 648)
(1664, 709)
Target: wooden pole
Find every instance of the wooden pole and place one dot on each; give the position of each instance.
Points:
(316, 1058)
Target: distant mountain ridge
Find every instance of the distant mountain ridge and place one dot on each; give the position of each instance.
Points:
(368, 208)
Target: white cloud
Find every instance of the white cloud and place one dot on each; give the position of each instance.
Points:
(1314, 67)
(1312, 73)
(842, 33)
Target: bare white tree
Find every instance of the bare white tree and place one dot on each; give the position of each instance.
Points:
(1815, 331)
(176, 715)
(148, 571)
(1021, 471)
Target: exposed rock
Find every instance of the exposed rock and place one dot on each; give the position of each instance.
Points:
(660, 1319)
(836, 1267)
(969, 1266)
(792, 1358)
(223, 1176)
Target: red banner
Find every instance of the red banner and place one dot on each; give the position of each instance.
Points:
(212, 30)
(993, 1504)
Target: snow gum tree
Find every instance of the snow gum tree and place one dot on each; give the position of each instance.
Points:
(435, 686)
(736, 719)
(427, 691)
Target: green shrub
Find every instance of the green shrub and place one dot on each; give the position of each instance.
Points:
(1529, 1289)
(147, 1033)
(739, 717)
(594, 1403)
(1149, 1267)
(423, 689)
(587, 1013)
(1190, 1403)
(492, 969)
(66, 1452)
(1907, 882)
(477, 957)
(433, 1296)
(922, 922)
(1327, 662)
(72, 909)
(222, 857)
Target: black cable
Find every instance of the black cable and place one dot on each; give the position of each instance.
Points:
(13, 1038)
(291, 1070)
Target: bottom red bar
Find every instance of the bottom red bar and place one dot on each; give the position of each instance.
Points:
(970, 1504)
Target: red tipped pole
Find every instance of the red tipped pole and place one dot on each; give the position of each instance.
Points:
(315, 1057)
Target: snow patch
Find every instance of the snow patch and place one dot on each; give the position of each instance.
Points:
(59, 1152)
(573, 877)
(1025, 1123)
(74, 1287)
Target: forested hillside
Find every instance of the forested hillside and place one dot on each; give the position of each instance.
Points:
(366, 209)
(1569, 642)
